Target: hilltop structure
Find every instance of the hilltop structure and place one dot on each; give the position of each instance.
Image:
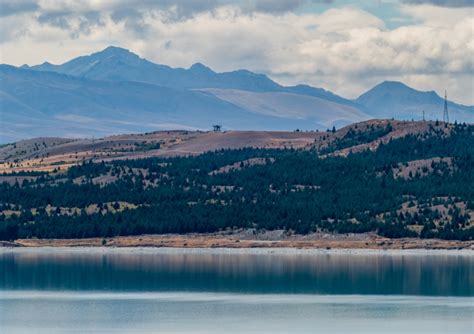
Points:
(445, 112)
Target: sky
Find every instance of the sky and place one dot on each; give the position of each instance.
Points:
(345, 46)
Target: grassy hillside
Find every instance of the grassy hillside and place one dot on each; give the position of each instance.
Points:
(376, 176)
(48, 154)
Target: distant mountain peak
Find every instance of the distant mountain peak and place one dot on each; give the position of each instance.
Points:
(392, 84)
(247, 72)
(201, 68)
(115, 51)
(398, 87)
(47, 66)
(396, 99)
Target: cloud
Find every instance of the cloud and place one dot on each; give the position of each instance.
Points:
(80, 16)
(177, 9)
(441, 3)
(75, 25)
(11, 7)
(275, 6)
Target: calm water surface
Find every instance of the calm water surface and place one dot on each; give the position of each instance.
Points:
(216, 291)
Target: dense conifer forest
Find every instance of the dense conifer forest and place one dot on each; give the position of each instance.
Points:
(416, 186)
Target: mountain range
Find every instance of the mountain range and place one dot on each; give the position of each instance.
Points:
(115, 91)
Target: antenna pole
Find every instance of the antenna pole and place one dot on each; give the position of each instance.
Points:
(445, 112)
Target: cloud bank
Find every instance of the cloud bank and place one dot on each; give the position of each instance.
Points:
(442, 3)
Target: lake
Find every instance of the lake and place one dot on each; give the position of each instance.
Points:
(239, 291)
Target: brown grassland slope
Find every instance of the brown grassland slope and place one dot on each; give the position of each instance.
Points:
(49, 154)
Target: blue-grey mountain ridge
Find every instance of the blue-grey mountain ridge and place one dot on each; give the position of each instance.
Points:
(115, 91)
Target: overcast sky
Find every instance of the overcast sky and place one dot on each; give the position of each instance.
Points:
(345, 46)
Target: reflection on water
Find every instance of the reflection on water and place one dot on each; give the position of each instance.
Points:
(161, 270)
(185, 291)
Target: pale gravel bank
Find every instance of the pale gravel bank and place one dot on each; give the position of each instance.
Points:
(253, 239)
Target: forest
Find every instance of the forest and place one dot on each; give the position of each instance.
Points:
(415, 186)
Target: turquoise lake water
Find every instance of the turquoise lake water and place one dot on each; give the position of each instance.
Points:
(219, 291)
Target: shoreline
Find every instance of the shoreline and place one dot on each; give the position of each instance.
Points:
(239, 241)
(236, 251)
